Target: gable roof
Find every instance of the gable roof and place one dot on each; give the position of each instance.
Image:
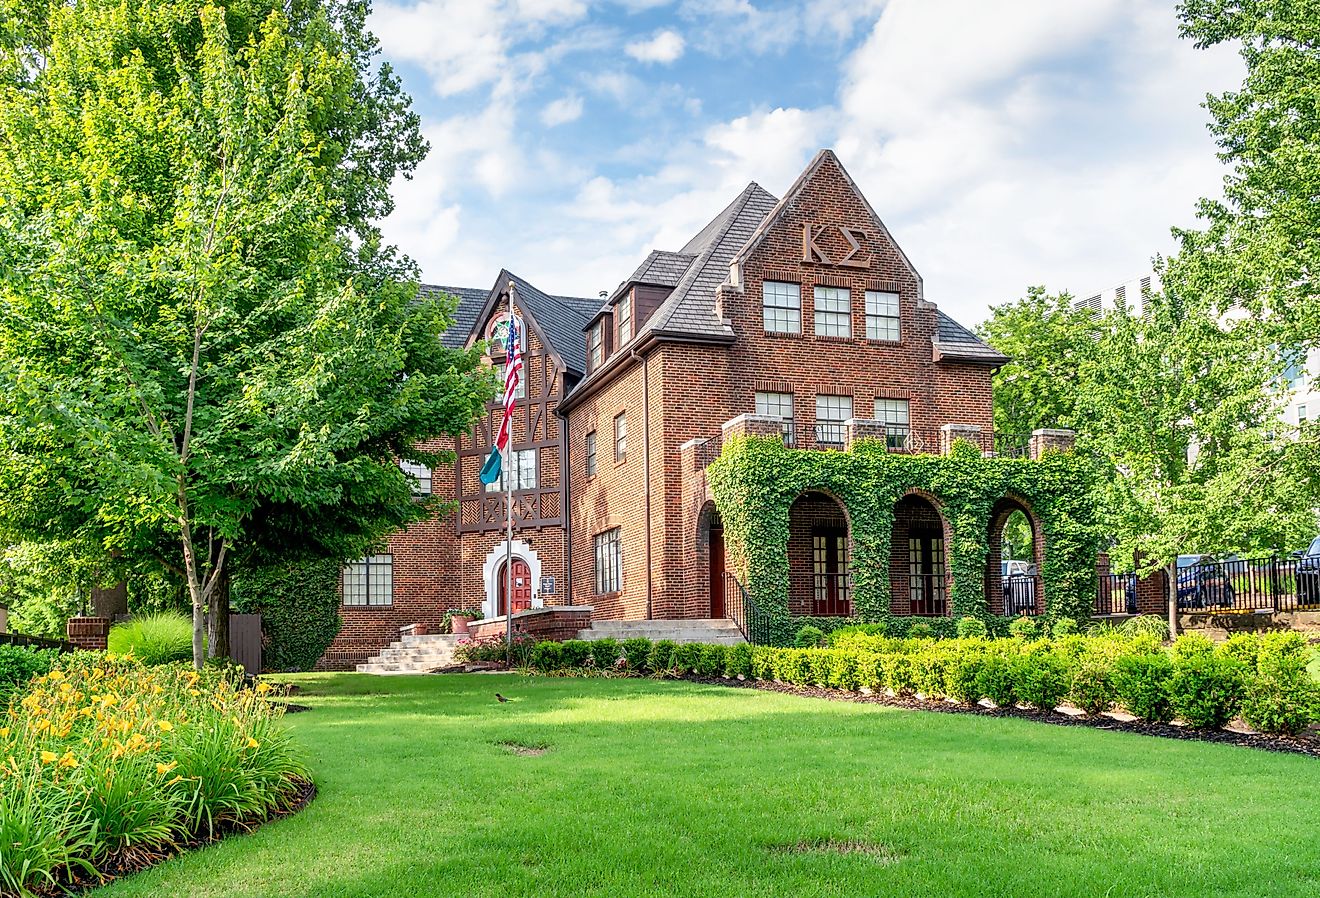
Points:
(470, 301)
(558, 319)
(953, 341)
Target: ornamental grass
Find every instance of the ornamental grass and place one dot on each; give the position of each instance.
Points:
(107, 764)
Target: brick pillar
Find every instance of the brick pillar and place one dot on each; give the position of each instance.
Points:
(1153, 594)
(855, 429)
(4, 619)
(753, 426)
(88, 632)
(1057, 440)
(951, 432)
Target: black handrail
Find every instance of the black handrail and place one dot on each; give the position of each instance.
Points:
(753, 625)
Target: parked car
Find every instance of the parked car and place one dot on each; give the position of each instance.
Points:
(1202, 582)
(1308, 575)
(1019, 582)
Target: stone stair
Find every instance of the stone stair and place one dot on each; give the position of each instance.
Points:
(715, 631)
(413, 655)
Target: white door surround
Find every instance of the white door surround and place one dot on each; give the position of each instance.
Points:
(492, 568)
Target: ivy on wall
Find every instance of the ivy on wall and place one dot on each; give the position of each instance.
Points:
(299, 607)
(756, 479)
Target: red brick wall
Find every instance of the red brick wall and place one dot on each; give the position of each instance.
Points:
(88, 632)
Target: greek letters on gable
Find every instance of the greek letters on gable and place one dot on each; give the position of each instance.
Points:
(814, 253)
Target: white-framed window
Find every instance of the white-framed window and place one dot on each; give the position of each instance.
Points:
(623, 311)
(620, 436)
(1301, 413)
(369, 581)
(609, 562)
(831, 412)
(881, 315)
(897, 420)
(520, 391)
(420, 476)
(833, 312)
(781, 307)
(777, 405)
(596, 345)
(521, 468)
(591, 453)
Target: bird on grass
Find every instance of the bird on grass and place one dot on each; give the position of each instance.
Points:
(501, 698)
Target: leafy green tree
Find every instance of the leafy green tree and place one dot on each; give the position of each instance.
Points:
(1260, 248)
(205, 350)
(1047, 341)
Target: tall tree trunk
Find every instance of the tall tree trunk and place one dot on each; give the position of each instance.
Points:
(1171, 587)
(217, 618)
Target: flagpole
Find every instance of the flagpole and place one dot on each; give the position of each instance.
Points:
(508, 508)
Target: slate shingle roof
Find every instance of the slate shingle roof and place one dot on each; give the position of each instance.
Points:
(663, 269)
(470, 301)
(957, 342)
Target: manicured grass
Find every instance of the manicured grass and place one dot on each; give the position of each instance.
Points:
(674, 789)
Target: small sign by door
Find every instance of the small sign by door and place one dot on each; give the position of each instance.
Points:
(547, 586)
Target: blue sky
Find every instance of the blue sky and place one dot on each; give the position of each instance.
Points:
(1004, 143)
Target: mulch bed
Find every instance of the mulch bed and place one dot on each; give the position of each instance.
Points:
(1305, 744)
(135, 861)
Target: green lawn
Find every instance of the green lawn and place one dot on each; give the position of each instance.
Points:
(676, 789)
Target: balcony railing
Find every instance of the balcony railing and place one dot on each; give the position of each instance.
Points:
(834, 435)
(820, 594)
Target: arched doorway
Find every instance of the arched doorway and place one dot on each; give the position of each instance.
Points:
(522, 587)
(819, 573)
(918, 564)
(1014, 554)
(716, 548)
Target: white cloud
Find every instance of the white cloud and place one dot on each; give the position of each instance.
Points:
(562, 111)
(664, 47)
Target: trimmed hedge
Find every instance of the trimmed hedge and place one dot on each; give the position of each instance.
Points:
(1264, 677)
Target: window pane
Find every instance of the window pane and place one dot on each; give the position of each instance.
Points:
(881, 315)
(891, 411)
(620, 436)
(520, 391)
(355, 583)
(591, 453)
(776, 405)
(609, 562)
(420, 475)
(833, 312)
(624, 312)
(596, 346)
(781, 307)
(831, 412)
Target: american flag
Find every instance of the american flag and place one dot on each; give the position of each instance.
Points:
(512, 375)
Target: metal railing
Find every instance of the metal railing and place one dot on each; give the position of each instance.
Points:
(740, 608)
(820, 594)
(36, 642)
(1022, 596)
(1116, 594)
(1249, 585)
(898, 438)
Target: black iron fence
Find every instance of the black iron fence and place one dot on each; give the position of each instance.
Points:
(1022, 596)
(740, 608)
(35, 642)
(1234, 586)
(1117, 594)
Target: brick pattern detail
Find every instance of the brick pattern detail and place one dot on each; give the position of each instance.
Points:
(557, 624)
(88, 632)
(1051, 440)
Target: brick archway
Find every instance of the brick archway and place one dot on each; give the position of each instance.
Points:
(1025, 594)
(819, 556)
(920, 579)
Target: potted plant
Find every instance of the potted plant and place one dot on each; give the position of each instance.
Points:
(457, 619)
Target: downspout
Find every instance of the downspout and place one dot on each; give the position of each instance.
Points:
(646, 468)
(566, 479)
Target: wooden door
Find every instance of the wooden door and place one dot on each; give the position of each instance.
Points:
(522, 587)
(716, 569)
(926, 574)
(829, 559)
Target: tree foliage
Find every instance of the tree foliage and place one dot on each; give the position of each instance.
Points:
(205, 350)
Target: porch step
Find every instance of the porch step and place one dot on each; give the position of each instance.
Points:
(715, 631)
(412, 654)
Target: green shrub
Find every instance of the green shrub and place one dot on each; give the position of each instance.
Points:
(547, 657)
(18, 665)
(844, 633)
(299, 607)
(900, 674)
(809, 637)
(763, 662)
(1205, 689)
(662, 656)
(1191, 645)
(710, 661)
(920, 630)
(738, 660)
(1142, 684)
(637, 652)
(1287, 647)
(573, 653)
(1041, 678)
(604, 652)
(962, 677)
(686, 657)
(1024, 628)
(1281, 698)
(994, 679)
(971, 627)
(154, 639)
(1093, 687)
(1241, 647)
(1145, 625)
(1064, 626)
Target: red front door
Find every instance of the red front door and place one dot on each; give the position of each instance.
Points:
(716, 569)
(522, 587)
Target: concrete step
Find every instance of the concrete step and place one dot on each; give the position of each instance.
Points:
(714, 632)
(413, 654)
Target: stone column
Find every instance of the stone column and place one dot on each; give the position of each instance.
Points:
(753, 426)
(855, 429)
(1056, 440)
(949, 433)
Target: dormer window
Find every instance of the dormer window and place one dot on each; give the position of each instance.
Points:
(596, 345)
(624, 314)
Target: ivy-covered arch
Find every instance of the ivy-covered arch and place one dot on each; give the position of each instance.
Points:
(756, 479)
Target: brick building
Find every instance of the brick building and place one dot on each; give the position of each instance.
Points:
(801, 314)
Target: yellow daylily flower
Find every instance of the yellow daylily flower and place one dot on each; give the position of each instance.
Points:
(48, 757)
(163, 769)
(68, 760)
(263, 687)
(165, 725)
(253, 743)
(55, 676)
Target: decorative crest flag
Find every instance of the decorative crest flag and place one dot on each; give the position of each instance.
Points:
(490, 471)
